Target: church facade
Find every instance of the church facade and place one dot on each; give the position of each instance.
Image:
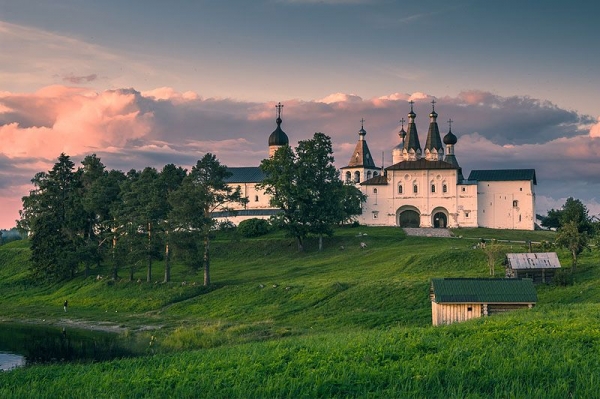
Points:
(422, 187)
(426, 187)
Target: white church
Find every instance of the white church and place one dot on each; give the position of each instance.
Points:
(422, 188)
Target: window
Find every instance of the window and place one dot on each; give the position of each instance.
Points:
(521, 189)
(444, 188)
(464, 189)
(519, 218)
(399, 188)
(469, 309)
(357, 177)
(375, 214)
(375, 174)
(466, 214)
(433, 188)
(415, 189)
(515, 203)
(374, 191)
(348, 177)
(256, 198)
(368, 175)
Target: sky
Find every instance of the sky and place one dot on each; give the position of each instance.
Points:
(147, 83)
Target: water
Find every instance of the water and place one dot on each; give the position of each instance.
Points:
(22, 345)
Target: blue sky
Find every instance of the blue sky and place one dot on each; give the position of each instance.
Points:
(149, 82)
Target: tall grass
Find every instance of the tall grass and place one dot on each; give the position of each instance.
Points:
(344, 322)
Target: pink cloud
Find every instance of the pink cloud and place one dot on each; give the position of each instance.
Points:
(74, 121)
(131, 129)
(595, 129)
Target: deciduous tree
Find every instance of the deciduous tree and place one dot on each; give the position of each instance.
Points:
(203, 191)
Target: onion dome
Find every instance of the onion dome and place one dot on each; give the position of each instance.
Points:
(278, 137)
(450, 138)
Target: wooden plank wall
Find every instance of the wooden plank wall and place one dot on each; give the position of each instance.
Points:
(442, 313)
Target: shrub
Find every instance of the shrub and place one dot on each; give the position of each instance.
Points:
(563, 278)
(253, 227)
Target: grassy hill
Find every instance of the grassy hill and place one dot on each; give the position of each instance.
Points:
(342, 322)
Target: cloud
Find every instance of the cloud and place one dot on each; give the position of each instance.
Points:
(79, 79)
(595, 130)
(129, 129)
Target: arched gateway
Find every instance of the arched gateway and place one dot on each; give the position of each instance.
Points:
(440, 218)
(408, 216)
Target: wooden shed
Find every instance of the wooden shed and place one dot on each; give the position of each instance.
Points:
(540, 266)
(460, 299)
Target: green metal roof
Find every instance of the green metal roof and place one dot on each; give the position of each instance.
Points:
(503, 175)
(483, 290)
(245, 174)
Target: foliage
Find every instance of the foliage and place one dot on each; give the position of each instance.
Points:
(574, 240)
(253, 227)
(306, 186)
(203, 191)
(574, 211)
(7, 236)
(54, 215)
(563, 278)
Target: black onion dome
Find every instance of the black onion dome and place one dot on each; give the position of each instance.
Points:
(278, 137)
(450, 138)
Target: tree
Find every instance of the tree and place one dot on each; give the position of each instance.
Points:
(202, 192)
(573, 210)
(282, 183)
(54, 216)
(170, 179)
(493, 251)
(306, 187)
(574, 240)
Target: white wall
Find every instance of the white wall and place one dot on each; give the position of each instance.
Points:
(381, 207)
(506, 204)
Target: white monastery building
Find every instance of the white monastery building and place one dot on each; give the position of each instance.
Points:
(422, 188)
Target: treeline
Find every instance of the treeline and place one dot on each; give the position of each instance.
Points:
(81, 218)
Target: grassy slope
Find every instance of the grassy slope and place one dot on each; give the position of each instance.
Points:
(348, 322)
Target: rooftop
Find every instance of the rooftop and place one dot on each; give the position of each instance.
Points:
(483, 290)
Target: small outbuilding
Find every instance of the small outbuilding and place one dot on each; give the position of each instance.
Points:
(540, 266)
(460, 299)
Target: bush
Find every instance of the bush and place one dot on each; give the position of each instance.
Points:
(253, 227)
(563, 278)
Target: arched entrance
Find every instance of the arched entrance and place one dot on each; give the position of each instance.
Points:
(440, 218)
(408, 216)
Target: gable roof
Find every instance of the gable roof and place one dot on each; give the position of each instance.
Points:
(245, 174)
(421, 164)
(540, 260)
(483, 290)
(503, 175)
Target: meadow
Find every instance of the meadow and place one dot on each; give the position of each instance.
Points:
(343, 322)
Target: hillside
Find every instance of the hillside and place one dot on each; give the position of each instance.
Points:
(358, 319)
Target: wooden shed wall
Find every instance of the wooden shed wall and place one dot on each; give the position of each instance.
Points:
(447, 313)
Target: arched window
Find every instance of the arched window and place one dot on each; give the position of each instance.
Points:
(356, 177)
(444, 188)
(368, 175)
(433, 188)
(415, 188)
(348, 177)
(399, 188)
(374, 191)
(256, 198)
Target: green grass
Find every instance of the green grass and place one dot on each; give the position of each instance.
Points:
(345, 322)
